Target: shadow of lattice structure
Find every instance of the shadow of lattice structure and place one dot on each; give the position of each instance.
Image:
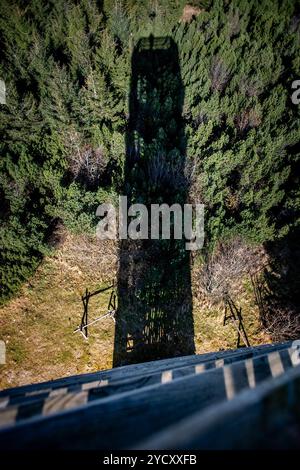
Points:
(154, 316)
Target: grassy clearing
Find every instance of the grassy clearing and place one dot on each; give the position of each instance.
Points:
(38, 325)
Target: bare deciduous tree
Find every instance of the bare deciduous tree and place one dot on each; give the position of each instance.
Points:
(234, 23)
(282, 324)
(247, 119)
(162, 172)
(85, 161)
(222, 271)
(219, 74)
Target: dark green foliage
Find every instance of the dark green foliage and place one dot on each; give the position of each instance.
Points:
(66, 95)
(238, 61)
(66, 65)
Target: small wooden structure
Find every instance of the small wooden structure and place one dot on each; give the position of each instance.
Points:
(260, 293)
(111, 309)
(234, 314)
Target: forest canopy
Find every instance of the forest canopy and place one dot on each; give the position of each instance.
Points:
(67, 65)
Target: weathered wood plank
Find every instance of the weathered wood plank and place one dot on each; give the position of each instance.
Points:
(126, 372)
(121, 420)
(28, 406)
(267, 417)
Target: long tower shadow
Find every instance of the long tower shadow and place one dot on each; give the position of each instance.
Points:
(154, 317)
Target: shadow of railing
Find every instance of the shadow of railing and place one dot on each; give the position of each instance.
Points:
(154, 316)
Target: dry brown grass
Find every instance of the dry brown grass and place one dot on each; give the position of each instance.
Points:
(38, 325)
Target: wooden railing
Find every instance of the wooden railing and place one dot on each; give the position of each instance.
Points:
(111, 309)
